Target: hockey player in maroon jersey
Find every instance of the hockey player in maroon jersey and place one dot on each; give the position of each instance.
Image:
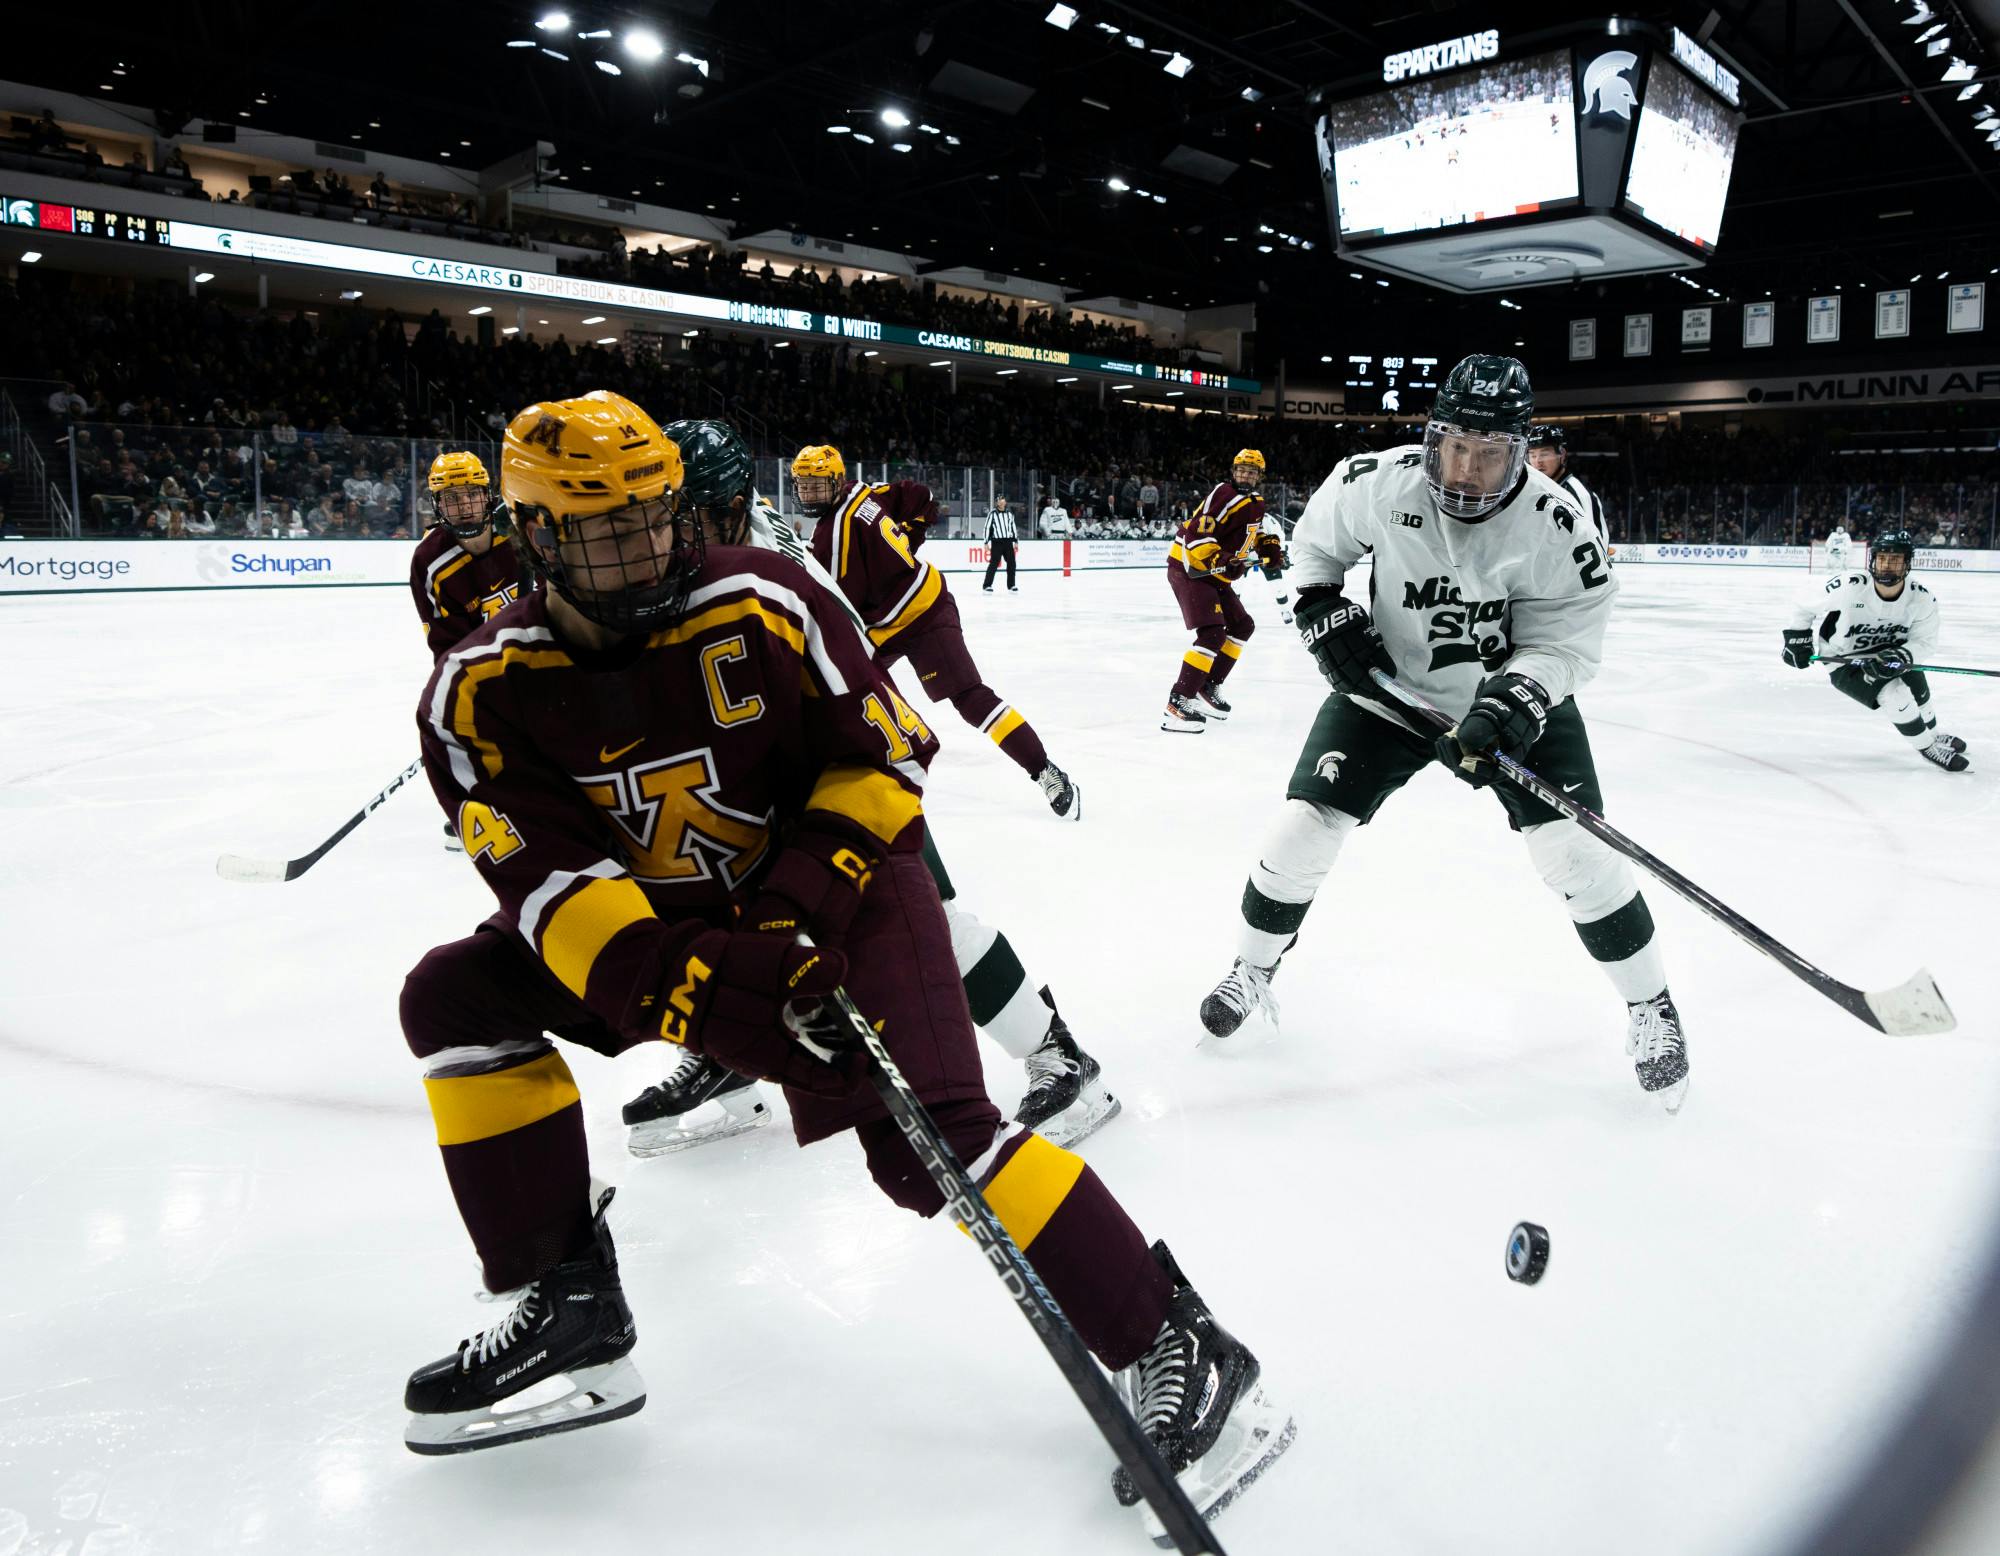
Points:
(1212, 550)
(668, 763)
(465, 570)
(859, 538)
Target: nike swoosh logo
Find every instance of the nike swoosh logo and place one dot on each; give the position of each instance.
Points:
(1571, 788)
(611, 756)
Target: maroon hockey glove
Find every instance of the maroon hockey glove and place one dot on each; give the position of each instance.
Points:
(814, 886)
(728, 1000)
(1507, 718)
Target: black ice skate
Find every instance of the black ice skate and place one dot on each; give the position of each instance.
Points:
(660, 1115)
(1948, 752)
(1653, 1038)
(1183, 716)
(1196, 1394)
(1211, 702)
(1229, 1004)
(1066, 1101)
(451, 843)
(570, 1331)
(1064, 797)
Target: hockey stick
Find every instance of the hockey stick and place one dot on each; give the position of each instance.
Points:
(1912, 1007)
(263, 872)
(1184, 1526)
(1845, 659)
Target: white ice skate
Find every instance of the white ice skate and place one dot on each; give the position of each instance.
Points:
(1653, 1039)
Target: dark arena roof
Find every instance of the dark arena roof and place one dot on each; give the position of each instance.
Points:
(1856, 166)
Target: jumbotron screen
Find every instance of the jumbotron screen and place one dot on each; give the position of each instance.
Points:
(1499, 141)
(1682, 152)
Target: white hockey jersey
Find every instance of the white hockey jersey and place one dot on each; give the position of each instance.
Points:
(1847, 616)
(1585, 500)
(1526, 589)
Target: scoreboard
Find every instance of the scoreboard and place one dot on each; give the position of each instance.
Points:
(84, 221)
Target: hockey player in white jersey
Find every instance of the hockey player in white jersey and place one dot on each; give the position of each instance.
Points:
(1490, 593)
(1548, 452)
(1884, 624)
(1066, 1098)
(1836, 549)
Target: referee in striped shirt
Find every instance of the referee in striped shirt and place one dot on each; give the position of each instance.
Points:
(1000, 538)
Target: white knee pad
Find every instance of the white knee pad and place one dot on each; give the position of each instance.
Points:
(1300, 849)
(970, 939)
(447, 1063)
(1593, 878)
(1898, 701)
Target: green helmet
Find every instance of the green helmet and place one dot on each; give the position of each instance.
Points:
(1894, 542)
(719, 470)
(1476, 444)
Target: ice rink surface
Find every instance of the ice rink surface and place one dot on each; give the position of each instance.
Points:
(228, 1238)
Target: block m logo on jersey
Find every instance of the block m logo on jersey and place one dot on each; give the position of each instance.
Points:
(671, 825)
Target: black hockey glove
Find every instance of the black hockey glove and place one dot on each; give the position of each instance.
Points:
(1341, 639)
(1885, 664)
(1798, 647)
(1507, 718)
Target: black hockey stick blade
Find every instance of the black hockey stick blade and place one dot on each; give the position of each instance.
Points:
(1911, 1009)
(1186, 1530)
(268, 872)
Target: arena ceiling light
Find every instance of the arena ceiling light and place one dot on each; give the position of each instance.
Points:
(1957, 70)
(32, 257)
(837, 129)
(1116, 185)
(1919, 16)
(945, 363)
(556, 54)
(607, 67)
(895, 118)
(1971, 91)
(511, 329)
(520, 43)
(643, 45)
(1063, 16)
(483, 308)
(930, 129)
(1251, 95)
(553, 21)
(595, 318)
(1007, 372)
(352, 295)
(606, 340)
(901, 145)
(1065, 380)
(1109, 27)
(699, 64)
(1179, 65)
(866, 140)
(591, 37)
(1930, 32)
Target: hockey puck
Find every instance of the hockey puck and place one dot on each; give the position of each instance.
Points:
(1527, 1253)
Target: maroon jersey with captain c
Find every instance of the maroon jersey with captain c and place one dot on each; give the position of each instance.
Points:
(455, 591)
(617, 804)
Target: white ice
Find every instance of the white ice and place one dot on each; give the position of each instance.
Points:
(227, 1238)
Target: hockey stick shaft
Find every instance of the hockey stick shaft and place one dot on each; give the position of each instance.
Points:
(1915, 1007)
(1178, 1516)
(237, 867)
(1842, 659)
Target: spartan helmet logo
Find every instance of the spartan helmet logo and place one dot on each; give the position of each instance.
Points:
(1605, 89)
(1328, 766)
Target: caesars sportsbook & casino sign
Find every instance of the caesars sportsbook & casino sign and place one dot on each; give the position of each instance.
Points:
(351, 259)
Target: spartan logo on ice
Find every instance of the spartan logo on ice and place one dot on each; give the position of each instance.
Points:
(1605, 89)
(1466, 631)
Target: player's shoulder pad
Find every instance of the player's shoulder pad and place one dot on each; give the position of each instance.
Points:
(1552, 508)
(771, 575)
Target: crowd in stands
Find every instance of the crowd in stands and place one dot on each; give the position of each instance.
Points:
(322, 425)
(716, 273)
